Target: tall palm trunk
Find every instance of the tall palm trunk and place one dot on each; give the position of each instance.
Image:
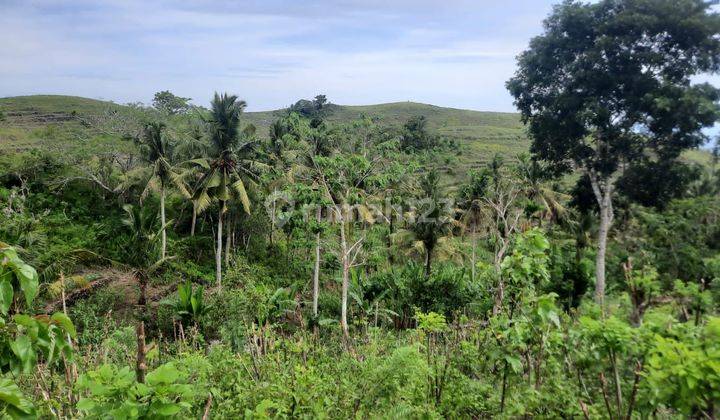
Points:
(218, 250)
(162, 221)
(345, 282)
(194, 219)
(227, 243)
(428, 261)
(316, 273)
(474, 253)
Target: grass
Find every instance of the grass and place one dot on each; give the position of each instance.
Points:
(53, 122)
(480, 134)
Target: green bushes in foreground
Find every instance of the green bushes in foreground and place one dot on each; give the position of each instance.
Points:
(533, 359)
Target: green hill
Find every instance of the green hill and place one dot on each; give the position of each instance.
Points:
(54, 121)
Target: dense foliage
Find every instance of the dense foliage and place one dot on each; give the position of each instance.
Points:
(209, 269)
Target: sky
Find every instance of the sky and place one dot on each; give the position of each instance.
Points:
(454, 53)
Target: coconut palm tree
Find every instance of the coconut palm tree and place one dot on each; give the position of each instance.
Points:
(229, 167)
(431, 223)
(140, 253)
(534, 177)
(472, 201)
(157, 149)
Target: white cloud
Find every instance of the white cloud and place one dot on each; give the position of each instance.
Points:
(457, 53)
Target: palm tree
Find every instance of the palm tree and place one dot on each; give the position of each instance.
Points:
(472, 196)
(225, 172)
(431, 225)
(140, 253)
(276, 144)
(534, 177)
(193, 145)
(157, 150)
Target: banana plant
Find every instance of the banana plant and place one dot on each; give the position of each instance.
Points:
(190, 306)
(368, 308)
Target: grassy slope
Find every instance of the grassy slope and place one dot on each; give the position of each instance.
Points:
(481, 134)
(52, 121)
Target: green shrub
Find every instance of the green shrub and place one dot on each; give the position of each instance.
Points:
(114, 392)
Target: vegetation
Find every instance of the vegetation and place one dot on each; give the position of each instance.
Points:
(330, 261)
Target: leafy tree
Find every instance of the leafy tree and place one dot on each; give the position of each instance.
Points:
(609, 81)
(285, 135)
(166, 102)
(140, 251)
(656, 184)
(318, 108)
(682, 371)
(472, 195)
(343, 180)
(26, 340)
(415, 135)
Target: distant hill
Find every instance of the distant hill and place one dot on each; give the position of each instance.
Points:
(480, 134)
(54, 121)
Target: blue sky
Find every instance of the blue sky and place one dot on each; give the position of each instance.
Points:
(456, 53)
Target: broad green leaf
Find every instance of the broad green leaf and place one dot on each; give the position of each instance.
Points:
(85, 404)
(65, 322)
(165, 409)
(28, 278)
(514, 363)
(164, 374)
(6, 296)
(16, 405)
(22, 347)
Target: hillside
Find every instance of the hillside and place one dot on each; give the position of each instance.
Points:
(480, 134)
(54, 121)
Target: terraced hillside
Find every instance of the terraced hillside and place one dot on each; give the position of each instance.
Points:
(481, 134)
(61, 122)
(32, 121)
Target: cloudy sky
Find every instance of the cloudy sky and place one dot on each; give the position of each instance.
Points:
(455, 53)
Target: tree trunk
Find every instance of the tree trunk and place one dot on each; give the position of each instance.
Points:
(603, 193)
(428, 262)
(605, 222)
(141, 365)
(316, 274)
(272, 225)
(162, 222)
(499, 295)
(345, 282)
(194, 219)
(474, 247)
(227, 243)
(218, 251)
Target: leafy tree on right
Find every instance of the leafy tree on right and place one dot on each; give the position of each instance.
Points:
(608, 86)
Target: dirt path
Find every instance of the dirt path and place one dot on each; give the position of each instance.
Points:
(119, 280)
